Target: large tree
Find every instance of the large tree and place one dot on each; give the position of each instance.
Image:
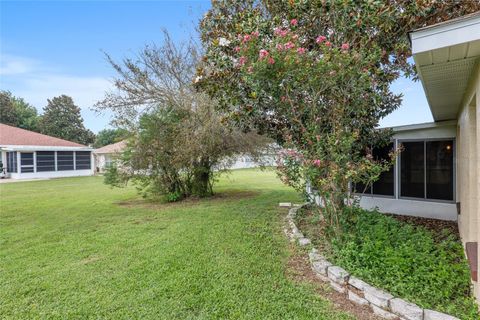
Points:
(316, 76)
(179, 141)
(62, 119)
(109, 136)
(8, 113)
(17, 112)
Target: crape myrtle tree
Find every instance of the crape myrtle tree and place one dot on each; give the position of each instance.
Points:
(316, 76)
(180, 138)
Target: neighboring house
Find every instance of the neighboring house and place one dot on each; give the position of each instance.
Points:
(105, 155)
(268, 159)
(437, 174)
(29, 155)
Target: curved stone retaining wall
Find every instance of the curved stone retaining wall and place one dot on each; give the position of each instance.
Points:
(382, 303)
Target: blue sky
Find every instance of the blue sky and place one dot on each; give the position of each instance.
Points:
(52, 48)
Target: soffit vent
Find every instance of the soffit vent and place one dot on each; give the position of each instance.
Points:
(445, 85)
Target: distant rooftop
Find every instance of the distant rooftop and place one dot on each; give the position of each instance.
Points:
(112, 148)
(13, 136)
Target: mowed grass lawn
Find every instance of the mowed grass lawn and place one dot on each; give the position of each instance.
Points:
(74, 248)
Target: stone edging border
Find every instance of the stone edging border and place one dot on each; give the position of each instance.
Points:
(359, 292)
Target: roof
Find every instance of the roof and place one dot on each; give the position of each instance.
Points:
(446, 56)
(451, 21)
(13, 136)
(112, 148)
(425, 125)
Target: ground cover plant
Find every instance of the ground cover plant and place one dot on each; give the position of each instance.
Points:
(74, 248)
(420, 265)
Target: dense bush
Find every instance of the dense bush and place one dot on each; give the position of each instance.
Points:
(405, 260)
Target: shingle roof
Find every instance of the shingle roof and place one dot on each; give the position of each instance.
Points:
(112, 148)
(20, 137)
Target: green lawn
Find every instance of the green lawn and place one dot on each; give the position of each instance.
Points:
(74, 248)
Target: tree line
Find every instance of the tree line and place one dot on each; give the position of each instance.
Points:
(61, 118)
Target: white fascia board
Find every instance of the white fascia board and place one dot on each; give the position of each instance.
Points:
(43, 148)
(426, 125)
(446, 34)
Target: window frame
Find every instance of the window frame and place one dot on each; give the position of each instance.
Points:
(58, 164)
(41, 166)
(12, 161)
(34, 169)
(81, 153)
(393, 196)
(454, 167)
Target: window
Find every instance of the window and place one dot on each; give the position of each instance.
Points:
(439, 166)
(385, 183)
(26, 162)
(426, 170)
(12, 161)
(82, 160)
(45, 161)
(412, 170)
(64, 160)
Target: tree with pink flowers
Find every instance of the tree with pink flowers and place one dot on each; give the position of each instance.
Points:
(316, 76)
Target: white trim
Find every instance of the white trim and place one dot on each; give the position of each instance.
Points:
(425, 125)
(443, 35)
(43, 148)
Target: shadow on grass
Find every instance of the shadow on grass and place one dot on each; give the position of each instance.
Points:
(220, 197)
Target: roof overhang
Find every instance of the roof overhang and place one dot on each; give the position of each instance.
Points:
(445, 56)
(42, 148)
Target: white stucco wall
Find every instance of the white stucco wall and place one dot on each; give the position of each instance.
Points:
(468, 182)
(51, 174)
(407, 207)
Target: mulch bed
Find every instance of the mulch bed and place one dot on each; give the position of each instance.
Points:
(436, 226)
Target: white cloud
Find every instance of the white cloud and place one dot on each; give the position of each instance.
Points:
(36, 83)
(14, 65)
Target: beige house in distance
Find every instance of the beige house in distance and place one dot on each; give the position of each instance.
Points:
(437, 174)
(105, 155)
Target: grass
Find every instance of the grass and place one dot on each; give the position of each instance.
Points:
(74, 248)
(408, 261)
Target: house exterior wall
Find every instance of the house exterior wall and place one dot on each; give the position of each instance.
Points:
(468, 165)
(245, 162)
(51, 174)
(443, 210)
(44, 174)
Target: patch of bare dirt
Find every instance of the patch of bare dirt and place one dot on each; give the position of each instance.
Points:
(299, 270)
(189, 202)
(439, 228)
(90, 259)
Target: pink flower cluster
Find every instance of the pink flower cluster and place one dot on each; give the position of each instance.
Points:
(317, 162)
(280, 32)
(320, 39)
(263, 54)
(247, 37)
(242, 60)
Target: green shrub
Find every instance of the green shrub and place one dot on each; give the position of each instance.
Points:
(406, 261)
